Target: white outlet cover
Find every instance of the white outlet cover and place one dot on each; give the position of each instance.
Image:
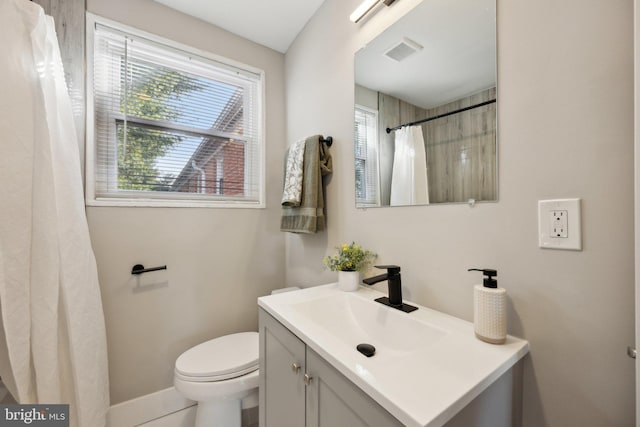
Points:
(573, 241)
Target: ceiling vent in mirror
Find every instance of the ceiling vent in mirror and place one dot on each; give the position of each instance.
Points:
(402, 50)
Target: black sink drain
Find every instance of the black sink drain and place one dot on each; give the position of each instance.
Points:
(366, 349)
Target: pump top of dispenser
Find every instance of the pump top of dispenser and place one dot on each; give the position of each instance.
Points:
(489, 273)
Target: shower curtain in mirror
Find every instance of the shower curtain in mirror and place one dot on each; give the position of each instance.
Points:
(409, 184)
(52, 334)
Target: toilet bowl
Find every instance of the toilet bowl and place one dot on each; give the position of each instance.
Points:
(219, 374)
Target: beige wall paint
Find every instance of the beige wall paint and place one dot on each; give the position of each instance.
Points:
(565, 126)
(219, 260)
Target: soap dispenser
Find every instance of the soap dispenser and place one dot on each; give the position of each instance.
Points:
(490, 309)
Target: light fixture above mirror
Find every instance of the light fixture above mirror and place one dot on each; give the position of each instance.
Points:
(366, 7)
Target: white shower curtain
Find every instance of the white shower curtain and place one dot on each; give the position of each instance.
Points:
(409, 184)
(52, 334)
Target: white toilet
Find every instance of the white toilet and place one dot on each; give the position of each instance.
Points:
(219, 374)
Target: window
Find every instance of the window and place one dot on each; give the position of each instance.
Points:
(366, 156)
(170, 126)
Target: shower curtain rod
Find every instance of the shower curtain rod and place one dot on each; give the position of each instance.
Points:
(439, 116)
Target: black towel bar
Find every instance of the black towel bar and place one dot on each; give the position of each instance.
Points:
(139, 269)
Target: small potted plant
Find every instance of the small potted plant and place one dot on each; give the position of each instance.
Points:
(349, 262)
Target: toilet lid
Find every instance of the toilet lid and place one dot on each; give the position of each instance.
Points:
(221, 358)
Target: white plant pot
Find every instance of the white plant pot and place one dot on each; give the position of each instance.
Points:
(348, 281)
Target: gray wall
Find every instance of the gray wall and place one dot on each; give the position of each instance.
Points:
(219, 260)
(565, 126)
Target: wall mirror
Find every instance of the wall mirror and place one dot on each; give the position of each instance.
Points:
(425, 113)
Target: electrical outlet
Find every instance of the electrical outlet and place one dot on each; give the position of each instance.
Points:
(559, 224)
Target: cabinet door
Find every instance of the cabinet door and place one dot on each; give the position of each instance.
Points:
(282, 367)
(334, 401)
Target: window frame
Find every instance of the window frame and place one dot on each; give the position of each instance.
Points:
(374, 201)
(160, 199)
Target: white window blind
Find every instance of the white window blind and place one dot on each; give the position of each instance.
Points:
(366, 156)
(170, 125)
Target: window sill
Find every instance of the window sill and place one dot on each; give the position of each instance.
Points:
(159, 203)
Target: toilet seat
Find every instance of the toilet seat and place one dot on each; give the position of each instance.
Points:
(220, 359)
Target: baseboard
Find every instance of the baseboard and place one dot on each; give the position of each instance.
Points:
(147, 408)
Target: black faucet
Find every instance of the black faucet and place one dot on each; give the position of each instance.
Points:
(395, 288)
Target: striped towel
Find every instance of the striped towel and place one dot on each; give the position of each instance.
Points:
(294, 163)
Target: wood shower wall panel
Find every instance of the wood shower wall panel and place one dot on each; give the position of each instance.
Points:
(46, 5)
(69, 17)
(461, 151)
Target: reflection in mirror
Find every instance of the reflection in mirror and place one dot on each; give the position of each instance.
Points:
(425, 113)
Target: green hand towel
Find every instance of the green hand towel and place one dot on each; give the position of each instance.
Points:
(309, 216)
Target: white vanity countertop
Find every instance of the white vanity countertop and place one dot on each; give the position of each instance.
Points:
(422, 381)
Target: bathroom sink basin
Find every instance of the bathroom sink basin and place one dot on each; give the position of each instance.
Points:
(355, 320)
(427, 365)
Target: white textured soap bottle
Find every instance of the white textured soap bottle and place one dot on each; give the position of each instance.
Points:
(490, 309)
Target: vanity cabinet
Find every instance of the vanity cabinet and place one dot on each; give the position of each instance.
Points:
(299, 388)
